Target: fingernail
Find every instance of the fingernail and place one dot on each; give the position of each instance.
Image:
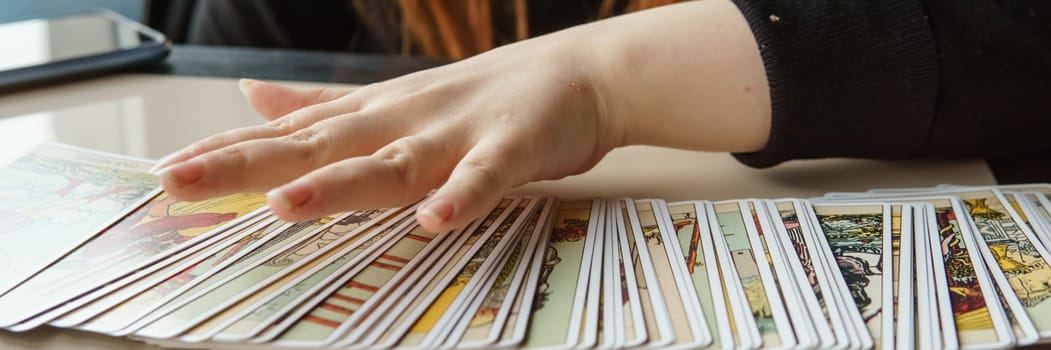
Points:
(244, 84)
(437, 210)
(290, 196)
(183, 174)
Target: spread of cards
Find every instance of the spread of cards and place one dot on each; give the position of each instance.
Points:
(88, 241)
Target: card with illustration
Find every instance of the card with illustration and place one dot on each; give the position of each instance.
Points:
(694, 240)
(262, 240)
(799, 265)
(401, 313)
(565, 265)
(160, 228)
(858, 237)
(497, 308)
(655, 317)
(56, 197)
(472, 279)
(652, 232)
(734, 247)
(211, 255)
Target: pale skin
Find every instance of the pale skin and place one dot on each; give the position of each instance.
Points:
(685, 76)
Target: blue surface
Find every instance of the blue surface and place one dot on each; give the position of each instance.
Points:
(13, 10)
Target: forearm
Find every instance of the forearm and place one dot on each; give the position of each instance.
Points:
(685, 76)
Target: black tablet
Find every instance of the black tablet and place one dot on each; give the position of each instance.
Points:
(45, 50)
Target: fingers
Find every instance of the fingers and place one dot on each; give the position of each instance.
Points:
(396, 175)
(273, 101)
(477, 183)
(261, 164)
(286, 125)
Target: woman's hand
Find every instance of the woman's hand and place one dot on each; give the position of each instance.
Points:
(539, 109)
(480, 126)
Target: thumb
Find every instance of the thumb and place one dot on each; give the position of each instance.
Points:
(274, 101)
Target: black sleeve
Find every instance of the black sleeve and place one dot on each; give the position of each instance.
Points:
(903, 78)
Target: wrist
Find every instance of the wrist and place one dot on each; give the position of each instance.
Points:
(686, 76)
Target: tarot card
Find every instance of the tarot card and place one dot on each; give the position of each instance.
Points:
(264, 240)
(344, 294)
(57, 197)
(977, 313)
(256, 318)
(789, 312)
(1028, 207)
(158, 229)
(1034, 187)
(368, 287)
(859, 239)
(858, 332)
(963, 279)
(324, 242)
(200, 303)
(387, 328)
(84, 308)
(694, 240)
(653, 309)
(732, 245)
(808, 265)
(1042, 208)
(1018, 261)
(929, 307)
(650, 224)
(517, 326)
(472, 280)
(565, 265)
(799, 265)
(591, 326)
(320, 267)
(503, 303)
(497, 232)
(902, 328)
(1044, 203)
(611, 325)
(631, 326)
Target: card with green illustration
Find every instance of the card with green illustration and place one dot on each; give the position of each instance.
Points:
(733, 246)
(793, 325)
(652, 232)
(160, 228)
(693, 238)
(858, 237)
(57, 197)
(215, 294)
(265, 239)
(565, 264)
(497, 309)
(181, 268)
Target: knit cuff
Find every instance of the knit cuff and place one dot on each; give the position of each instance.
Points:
(847, 78)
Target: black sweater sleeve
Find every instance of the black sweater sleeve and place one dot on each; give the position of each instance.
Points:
(903, 78)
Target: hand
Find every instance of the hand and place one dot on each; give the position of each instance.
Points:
(538, 109)
(474, 128)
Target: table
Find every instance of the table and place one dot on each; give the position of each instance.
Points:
(150, 115)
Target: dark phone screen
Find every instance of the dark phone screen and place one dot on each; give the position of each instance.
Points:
(42, 41)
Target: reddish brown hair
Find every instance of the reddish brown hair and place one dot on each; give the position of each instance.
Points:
(461, 28)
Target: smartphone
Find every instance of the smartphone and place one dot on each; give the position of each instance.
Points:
(39, 51)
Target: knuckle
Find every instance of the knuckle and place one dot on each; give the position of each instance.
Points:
(402, 158)
(232, 158)
(282, 126)
(313, 144)
(484, 175)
